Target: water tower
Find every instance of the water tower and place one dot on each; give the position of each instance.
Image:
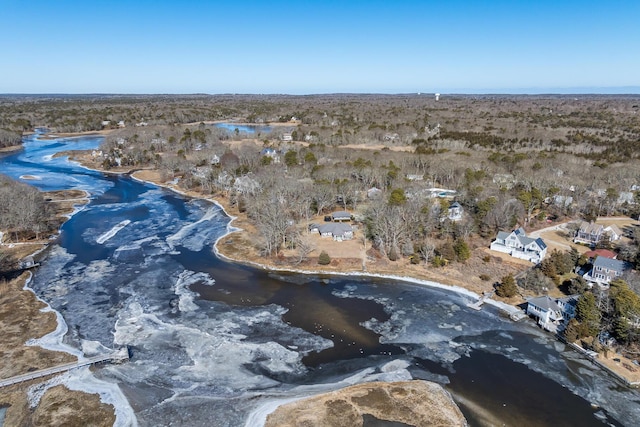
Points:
(437, 96)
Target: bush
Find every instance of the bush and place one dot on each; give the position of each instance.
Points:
(439, 261)
(485, 277)
(324, 258)
(446, 251)
(393, 254)
(486, 258)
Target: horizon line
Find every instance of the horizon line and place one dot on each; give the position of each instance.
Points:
(577, 91)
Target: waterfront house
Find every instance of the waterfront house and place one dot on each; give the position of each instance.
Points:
(604, 270)
(518, 245)
(336, 230)
(552, 314)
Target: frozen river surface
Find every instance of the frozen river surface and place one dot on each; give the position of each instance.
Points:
(215, 343)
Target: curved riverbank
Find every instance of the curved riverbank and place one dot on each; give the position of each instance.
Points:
(238, 246)
(26, 321)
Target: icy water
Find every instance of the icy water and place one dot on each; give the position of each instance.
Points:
(216, 343)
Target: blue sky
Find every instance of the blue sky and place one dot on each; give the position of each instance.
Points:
(304, 47)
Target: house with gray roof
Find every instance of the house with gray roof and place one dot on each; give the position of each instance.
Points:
(552, 314)
(591, 233)
(604, 271)
(518, 245)
(340, 216)
(337, 230)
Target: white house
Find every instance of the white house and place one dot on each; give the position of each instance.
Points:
(552, 314)
(272, 153)
(518, 245)
(374, 193)
(455, 211)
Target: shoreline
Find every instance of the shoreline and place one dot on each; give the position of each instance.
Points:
(10, 149)
(24, 314)
(510, 310)
(456, 289)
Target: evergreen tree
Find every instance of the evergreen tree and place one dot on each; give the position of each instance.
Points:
(626, 310)
(587, 313)
(507, 287)
(397, 197)
(291, 158)
(462, 250)
(324, 258)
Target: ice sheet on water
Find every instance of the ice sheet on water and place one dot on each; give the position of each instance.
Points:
(192, 351)
(298, 279)
(195, 235)
(113, 231)
(128, 253)
(187, 296)
(395, 365)
(506, 335)
(93, 348)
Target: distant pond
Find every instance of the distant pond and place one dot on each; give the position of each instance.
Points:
(244, 128)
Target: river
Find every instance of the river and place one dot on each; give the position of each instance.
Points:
(216, 343)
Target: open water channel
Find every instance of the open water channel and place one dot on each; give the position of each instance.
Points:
(217, 343)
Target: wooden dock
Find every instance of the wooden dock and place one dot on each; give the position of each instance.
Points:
(478, 304)
(117, 357)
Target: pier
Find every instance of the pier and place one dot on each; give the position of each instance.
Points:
(116, 357)
(478, 304)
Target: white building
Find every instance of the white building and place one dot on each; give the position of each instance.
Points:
(518, 245)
